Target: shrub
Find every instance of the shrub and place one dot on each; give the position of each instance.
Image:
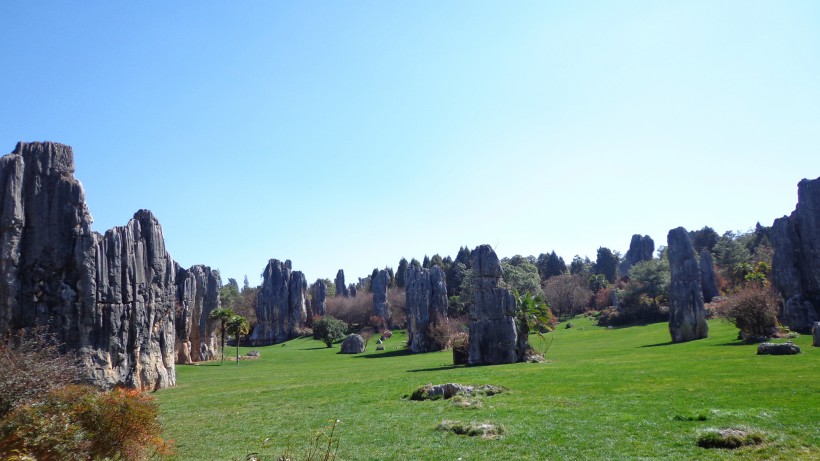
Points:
(461, 346)
(31, 364)
(567, 294)
(329, 330)
(352, 310)
(79, 422)
(397, 302)
(443, 330)
(753, 310)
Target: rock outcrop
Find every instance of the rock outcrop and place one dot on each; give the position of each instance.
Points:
(319, 294)
(108, 297)
(341, 288)
(426, 303)
(197, 296)
(353, 344)
(493, 334)
(815, 334)
(778, 349)
(379, 287)
(708, 278)
(280, 304)
(687, 316)
(641, 248)
(796, 259)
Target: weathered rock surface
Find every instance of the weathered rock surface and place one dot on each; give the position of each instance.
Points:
(351, 290)
(280, 304)
(796, 259)
(815, 332)
(493, 334)
(777, 349)
(109, 297)
(641, 248)
(427, 303)
(379, 287)
(353, 344)
(319, 302)
(197, 296)
(708, 278)
(687, 316)
(341, 288)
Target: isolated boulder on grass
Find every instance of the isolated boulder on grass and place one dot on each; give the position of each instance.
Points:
(777, 349)
(353, 344)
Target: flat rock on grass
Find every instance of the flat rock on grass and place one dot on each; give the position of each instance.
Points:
(448, 390)
(777, 349)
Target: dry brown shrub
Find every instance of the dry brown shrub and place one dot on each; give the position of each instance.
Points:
(753, 310)
(397, 300)
(353, 310)
(444, 330)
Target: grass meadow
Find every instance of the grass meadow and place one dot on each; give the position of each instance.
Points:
(603, 394)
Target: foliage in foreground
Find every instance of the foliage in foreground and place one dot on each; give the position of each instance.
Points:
(322, 447)
(79, 422)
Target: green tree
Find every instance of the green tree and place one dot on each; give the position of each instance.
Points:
(329, 330)
(237, 326)
(704, 239)
(401, 273)
(533, 314)
(580, 266)
(606, 264)
(229, 295)
(223, 314)
(523, 277)
(550, 265)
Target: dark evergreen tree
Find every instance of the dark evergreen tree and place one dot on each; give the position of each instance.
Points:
(401, 273)
(392, 276)
(426, 263)
(415, 263)
(705, 238)
(606, 264)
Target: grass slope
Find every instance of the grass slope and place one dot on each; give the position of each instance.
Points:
(605, 394)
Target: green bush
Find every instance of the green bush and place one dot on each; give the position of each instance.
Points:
(329, 330)
(753, 310)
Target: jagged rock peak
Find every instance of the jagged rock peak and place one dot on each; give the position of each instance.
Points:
(197, 296)
(493, 333)
(641, 248)
(687, 316)
(426, 304)
(379, 286)
(109, 297)
(280, 306)
(796, 259)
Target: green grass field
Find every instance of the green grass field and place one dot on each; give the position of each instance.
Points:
(604, 394)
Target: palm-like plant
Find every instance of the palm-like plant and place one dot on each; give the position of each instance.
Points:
(222, 314)
(238, 326)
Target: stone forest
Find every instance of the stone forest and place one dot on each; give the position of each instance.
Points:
(132, 318)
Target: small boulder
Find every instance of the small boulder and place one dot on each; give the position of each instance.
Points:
(569, 325)
(353, 344)
(380, 347)
(253, 354)
(815, 331)
(777, 349)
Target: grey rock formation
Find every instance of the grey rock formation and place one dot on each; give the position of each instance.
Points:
(815, 332)
(319, 303)
(341, 288)
(427, 303)
(687, 316)
(280, 304)
(708, 278)
(777, 349)
(197, 296)
(108, 297)
(379, 287)
(351, 290)
(353, 344)
(796, 259)
(641, 248)
(493, 334)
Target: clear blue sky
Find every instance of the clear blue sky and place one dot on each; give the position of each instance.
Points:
(350, 134)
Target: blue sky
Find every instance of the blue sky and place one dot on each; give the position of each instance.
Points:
(351, 134)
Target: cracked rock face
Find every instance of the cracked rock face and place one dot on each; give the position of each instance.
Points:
(197, 296)
(319, 302)
(379, 287)
(687, 315)
(280, 306)
(708, 278)
(427, 303)
(641, 248)
(341, 288)
(796, 259)
(109, 297)
(493, 333)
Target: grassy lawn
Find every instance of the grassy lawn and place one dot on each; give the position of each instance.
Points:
(604, 394)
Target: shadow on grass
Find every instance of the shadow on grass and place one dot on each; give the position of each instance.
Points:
(441, 368)
(384, 355)
(736, 342)
(668, 343)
